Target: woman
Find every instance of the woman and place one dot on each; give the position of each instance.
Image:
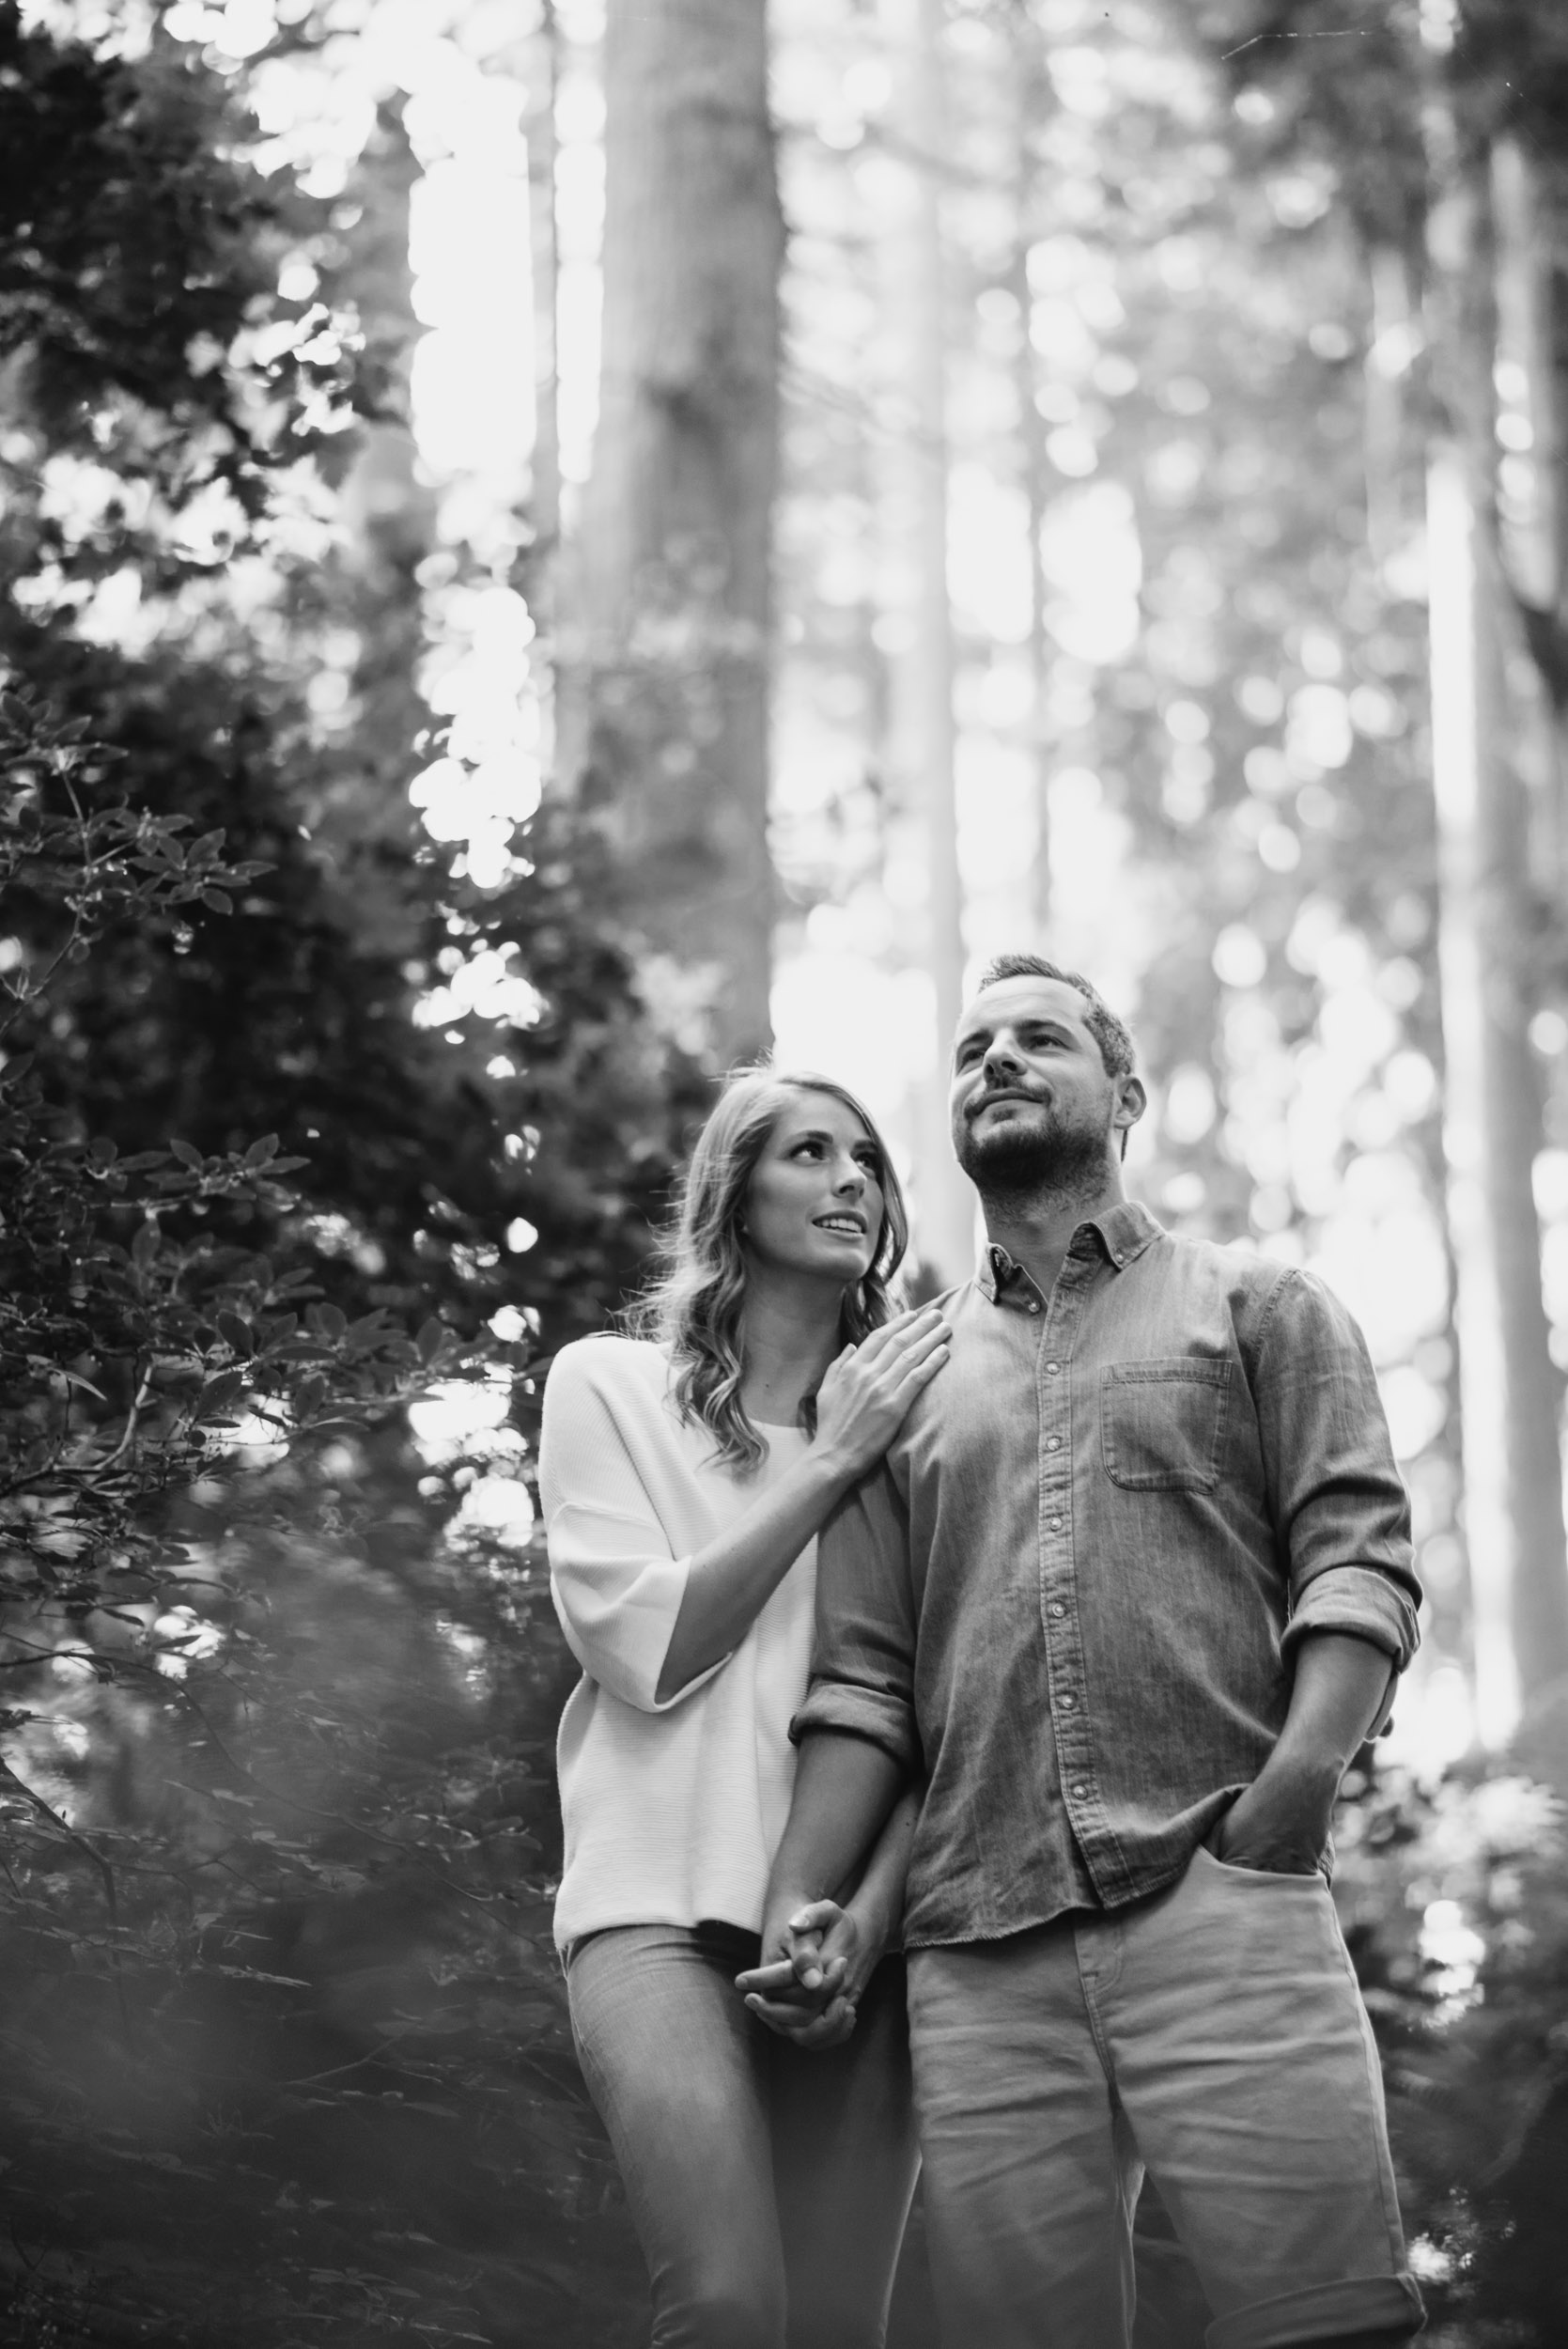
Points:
(684, 1475)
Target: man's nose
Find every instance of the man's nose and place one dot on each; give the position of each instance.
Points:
(1002, 1055)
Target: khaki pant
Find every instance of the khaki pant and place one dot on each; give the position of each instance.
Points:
(1214, 2035)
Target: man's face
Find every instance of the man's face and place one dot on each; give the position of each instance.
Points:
(1031, 1104)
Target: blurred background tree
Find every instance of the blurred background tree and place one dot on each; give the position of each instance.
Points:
(1124, 517)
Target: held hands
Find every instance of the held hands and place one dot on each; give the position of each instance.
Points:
(865, 1393)
(808, 1987)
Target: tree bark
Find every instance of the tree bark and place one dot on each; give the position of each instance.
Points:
(1531, 533)
(673, 563)
(1033, 100)
(924, 731)
(1510, 1389)
(545, 461)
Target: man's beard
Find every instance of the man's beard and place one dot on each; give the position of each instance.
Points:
(1014, 1161)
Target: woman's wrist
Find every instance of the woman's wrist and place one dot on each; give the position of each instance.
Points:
(833, 1467)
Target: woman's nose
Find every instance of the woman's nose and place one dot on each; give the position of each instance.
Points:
(851, 1177)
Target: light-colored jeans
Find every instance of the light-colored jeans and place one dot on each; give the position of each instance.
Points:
(769, 2186)
(1214, 2034)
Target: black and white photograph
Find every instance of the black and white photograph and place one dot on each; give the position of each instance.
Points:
(784, 1174)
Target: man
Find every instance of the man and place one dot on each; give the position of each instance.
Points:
(1130, 1589)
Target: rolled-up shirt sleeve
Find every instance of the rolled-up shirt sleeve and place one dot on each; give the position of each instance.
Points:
(616, 1580)
(1338, 1502)
(863, 1670)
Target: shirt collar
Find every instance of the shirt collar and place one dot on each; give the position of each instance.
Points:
(1123, 1232)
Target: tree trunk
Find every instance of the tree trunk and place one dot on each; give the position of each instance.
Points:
(1531, 530)
(924, 730)
(545, 462)
(1509, 1385)
(1033, 100)
(672, 564)
(1387, 364)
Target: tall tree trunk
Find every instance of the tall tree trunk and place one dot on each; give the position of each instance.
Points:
(1387, 364)
(1032, 100)
(1532, 514)
(672, 564)
(544, 255)
(1509, 1385)
(925, 735)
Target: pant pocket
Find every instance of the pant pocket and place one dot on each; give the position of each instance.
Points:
(1263, 1875)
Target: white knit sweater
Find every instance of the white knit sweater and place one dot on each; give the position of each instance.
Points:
(673, 1811)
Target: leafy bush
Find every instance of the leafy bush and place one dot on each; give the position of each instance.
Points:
(1455, 1906)
(284, 2043)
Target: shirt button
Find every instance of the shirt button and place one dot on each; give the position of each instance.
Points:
(1058, 1610)
(1052, 1368)
(1069, 1703)
(1056, 1525)
(1054, 1444)
(1034, 1309)
(1080, 1794)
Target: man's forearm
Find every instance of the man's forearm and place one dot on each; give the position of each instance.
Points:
(845, 1787)
(1282, 1818)
(1341, 1682)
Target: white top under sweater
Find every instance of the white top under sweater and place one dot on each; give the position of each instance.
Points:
(673, 1811)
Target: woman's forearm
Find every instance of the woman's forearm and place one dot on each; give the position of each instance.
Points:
(731, 1579)
(844, 1789)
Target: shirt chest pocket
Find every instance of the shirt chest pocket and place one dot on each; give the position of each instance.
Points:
(1162, 1423)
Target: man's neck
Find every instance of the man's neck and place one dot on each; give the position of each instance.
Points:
(1036, 1229)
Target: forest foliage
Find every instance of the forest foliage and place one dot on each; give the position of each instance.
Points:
(283, 2030)
(285, 1256)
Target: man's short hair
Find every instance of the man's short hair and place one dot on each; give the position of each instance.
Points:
(1111, 1034)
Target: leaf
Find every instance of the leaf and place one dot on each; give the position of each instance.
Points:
(259, 1152)
(217, 900)
(188, 1155)
(218, 1391)
(235, 1330)
(144, 1247)
(330, 1320)
(431, 1335)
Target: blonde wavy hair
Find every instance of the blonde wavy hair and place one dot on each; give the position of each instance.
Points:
(695, 1304)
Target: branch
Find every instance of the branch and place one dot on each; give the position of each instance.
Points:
(105, 1872)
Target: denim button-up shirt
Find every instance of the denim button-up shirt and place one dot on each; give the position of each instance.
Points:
(1070, 1594)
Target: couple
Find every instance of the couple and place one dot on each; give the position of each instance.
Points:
(1110, 1574)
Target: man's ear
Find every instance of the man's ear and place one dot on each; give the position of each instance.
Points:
(1131, 1102)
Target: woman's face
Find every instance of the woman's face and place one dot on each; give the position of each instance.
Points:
(815, 1204)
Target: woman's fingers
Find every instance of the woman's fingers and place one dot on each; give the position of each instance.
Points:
(902, 1326)
(827, 2029)
(768, 1981)
(898, 1362)
(927, 1366)
(815, 1917)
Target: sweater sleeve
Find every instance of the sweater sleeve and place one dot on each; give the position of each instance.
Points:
(616, 1580)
